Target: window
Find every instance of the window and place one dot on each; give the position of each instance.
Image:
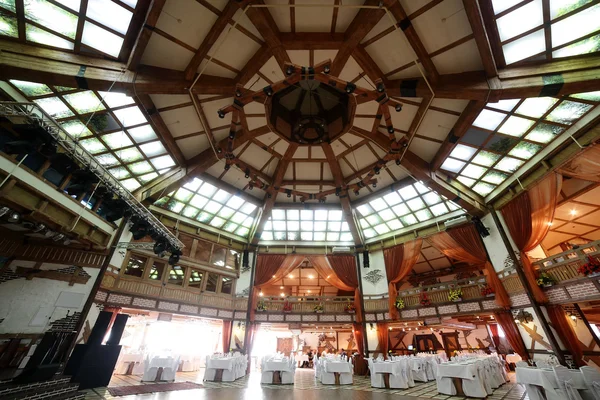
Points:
(226, 284)
(176, 275)
(307, 225)
(211, 282)
(205, 203)
(117, 134)
(509, 133)
(105, 23)
(135, 266)
(572, 28)
(156, 271)
(195, 280)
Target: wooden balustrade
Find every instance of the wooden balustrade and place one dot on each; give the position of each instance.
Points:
(331, 304)
(563, 267)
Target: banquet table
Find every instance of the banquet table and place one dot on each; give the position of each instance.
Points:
(301, 359)
(462, 379)
(225, 368)
(340, 371)
(541, 383)
(513, 358)
(393, 374)
(278, 371)
(130, 364)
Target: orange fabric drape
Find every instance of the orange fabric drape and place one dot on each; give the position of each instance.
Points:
(399, 261)
(270, 268)
(563, 327)
(528, 217)
(585, 166)
(252, 330)
(339, 271)
(507, 322)
(226, 335)
(360, 365)
(463, 244)
(383, 335)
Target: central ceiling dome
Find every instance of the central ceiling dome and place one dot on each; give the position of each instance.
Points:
(310, 112)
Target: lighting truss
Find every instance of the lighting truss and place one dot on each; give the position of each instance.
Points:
(36, 114)
(136, 245)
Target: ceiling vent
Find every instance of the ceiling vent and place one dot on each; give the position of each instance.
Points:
(341, 249)
(456, 221)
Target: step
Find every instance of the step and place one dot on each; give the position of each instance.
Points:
(11, 388)
(48, 392)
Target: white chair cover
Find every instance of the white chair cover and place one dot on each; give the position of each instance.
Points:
(522, 364)
(209, 373)
(591, 376)
(565, 383)
(376, 379)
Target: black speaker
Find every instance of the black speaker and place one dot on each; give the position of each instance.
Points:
(366, 259)
(245, 260)
(117, 329)
(100, 328)
(96, 365)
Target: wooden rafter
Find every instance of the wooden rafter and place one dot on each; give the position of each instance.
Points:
(252, 67)
(481, 37)
(266, 26)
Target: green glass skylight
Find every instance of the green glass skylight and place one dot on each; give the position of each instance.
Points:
(509, 133)
(205, 203)
(56, 23)
(101, 122)
(306, 225)
(574, 28)
(410, 205)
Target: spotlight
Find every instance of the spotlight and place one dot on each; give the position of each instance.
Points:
(174, 257)
(398, 107)
(221, 114)
(289, 70)
(380, 87)
(327, 69)
(139, 230)
(250, 186)
(268, 91)
(337, 191)
(160, 246)
(115, 210)
(377, 170)
(227, 166)
(573, 317)
(350, 87)
(238, 93)
(374, 184)
(58, 237)
(231, 135)
(39, 227)
(289, 193)
(398, 161)
(19, 147)
(356, 192)
(14, 217)
(390, 129)
(322, 199)
(481, 229)
(247, 173)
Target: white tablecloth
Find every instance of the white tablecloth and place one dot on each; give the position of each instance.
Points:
(513, 358)
(338, 366)
(233, 368)
(126, 359)
(277, 365)
(302, 358)
(535, 379)
(479, 376)
(169, 366)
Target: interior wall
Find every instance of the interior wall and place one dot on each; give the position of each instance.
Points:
(495, 246)
(30, 306)
(375, 272)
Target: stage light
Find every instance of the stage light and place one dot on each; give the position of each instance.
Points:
(289, 70)
(238, 93)
(350, 87)
(19, 147)
(390, 129)
(227, 166)
(14, 217)
(377, 170)
(380, 87)
(398, 162)
(231, 135)
(116, 210)
(337, 191)
(398, 107)
(174, 258)
(268, 91)
(573, 317)
(356, 192)
(160, 246)
(221, 114)
(289, 193)
(260, 293)
(374, 184)
(247, 173)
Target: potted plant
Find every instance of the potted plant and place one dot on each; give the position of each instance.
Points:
(261, 306)
(287, 307)
(318, 308)
(350, 308)
(424, 299)
(399, 303)
(545, 280)
(455, 294)
(487, 291)
(591, 268)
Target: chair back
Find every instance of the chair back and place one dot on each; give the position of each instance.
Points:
(522, 364)
(591, 376)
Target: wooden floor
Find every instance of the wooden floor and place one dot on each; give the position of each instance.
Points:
(304, 388)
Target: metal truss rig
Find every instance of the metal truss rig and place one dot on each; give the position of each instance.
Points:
(319, 72)
(37, 115)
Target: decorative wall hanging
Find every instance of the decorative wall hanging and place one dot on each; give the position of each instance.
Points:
(374, 276)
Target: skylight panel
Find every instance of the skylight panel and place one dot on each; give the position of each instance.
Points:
(520, 20)
(293, 225)
(72, 4)
(8, 4)
(52, 17)
(9, 26)
(131, 184)
(483, 189)
(509, 164)
(335, 215)
(525, 150)
(486, 158)
(320, 215)
(488, 119)
(31, 89)
(54, 107)
(505, 105)
(75, 128)
(525, 47)
(129, 155)
(568, 111)
(392, 198)
(516, 126)
(544, 133)
(407, 192)
(101, 39)
(494, 177)
(107, 160)
(313, 225)
(109, 14)
(153, 149)
(130, 116)
(536, 106)
(400, 210)
(162, 162)
(142, 133)
(562, 7)
(576, 26)
(591, 96)
(364, 209)
(468, 182)
(473, 171)
(117, 140)
(114, 99)
(503, 5)
(584, 46)
(463, 152)
(452, 165)
(84, 102)
(378, 204)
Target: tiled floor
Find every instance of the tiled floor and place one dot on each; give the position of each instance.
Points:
(305, 381)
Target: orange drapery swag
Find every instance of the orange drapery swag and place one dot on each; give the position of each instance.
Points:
(463, 244)
(507, 322)
(226, 335)
(339, 271)
(585, 166)
(270, 268)
(565, 331)
(360, 365)
(383, 335)
(399, 261)
(528, 217)
(252, 330)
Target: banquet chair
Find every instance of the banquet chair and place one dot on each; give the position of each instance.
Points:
(565, 383)
(398, 377)
(476, 387)
(419, 373)
(542, 364)
(209, 373)
(408, 371)
(327, 378)
(346, 378)
(168, 373)
(522, 364)
(430, 368)
(149, 371)
(376, 379)
(287, 377)
(485, 374)
(591, 376)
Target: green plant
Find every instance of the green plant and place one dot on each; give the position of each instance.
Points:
(261, 306)
(318, 308)
(455, 294)
(399, 303)
(545, 280)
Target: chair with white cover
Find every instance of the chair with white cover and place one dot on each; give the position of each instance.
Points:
(398, 377)
(287, 377)
(522, 364)
(209, 373)
(169, 370)
(591, 376)
(476, 387)
(376, 379)
(327, 378)
(565, 382)
(418, 370)
(149, 371)
(346, 378)
(409, 372)
(266, 376)
(543, 364)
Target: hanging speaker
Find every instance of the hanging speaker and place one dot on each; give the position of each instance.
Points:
(246, 259)
(366, 259)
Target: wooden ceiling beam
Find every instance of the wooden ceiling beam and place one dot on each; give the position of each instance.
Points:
(311, 40)
(278, 175)
(218, 27)
(151, 113)
(405, 24)
(145, 33)
(262, 19)
(360, 26)
(307, 182)
(258, 60)
(366, 63)
(481, 37)
(462, 125)
(338, 179)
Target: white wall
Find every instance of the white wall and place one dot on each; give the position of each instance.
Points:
(119, 254)
(494, 244)
(376, 263)
(22, 300)
(243, 282)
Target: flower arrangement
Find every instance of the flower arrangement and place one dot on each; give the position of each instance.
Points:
(350, 308)
(399, 304)
(591, 267)
(455, 294)
(261, 306)
(318, 308)
(424, 299)
(287, 307)
(545, 280)
(487, 291)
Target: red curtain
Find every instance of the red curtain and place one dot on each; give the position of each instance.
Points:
(226, 337)
(252, 330)
(562, 326)
(495, 336)
(464, 244)
(360, 365)
(383, 336)
(399, 261)
(528, 219)
(586, 165)
(507, 322)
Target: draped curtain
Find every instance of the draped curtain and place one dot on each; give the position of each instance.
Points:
(495, 336)
(528, 219)
(339, 271)
(585, 166)
(511, 332)
(252, 328)
(226, 336)
(565, 331)
(464, 244)
(399, 261)
(383, 335)
(360, 364)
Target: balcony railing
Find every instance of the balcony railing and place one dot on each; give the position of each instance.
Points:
(331, 304)
(563, 267)
(439, 292)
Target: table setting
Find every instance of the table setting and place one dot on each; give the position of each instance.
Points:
(130, 364)
(334, 370)
(225, 368)
(278, 370)
(472, 375)
(160, 368)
